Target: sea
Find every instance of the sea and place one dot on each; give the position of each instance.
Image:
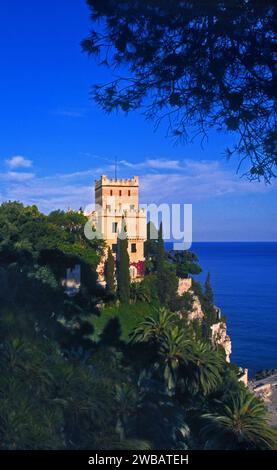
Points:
(244, 280)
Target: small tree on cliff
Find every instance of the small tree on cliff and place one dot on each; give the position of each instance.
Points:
(186, 263)
(208, 305)
(209, 295)
(122, 267)
(109, 274)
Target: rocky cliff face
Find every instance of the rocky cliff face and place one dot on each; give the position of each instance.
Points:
(220, 338)
(196, 312)
(184, 285)
(219, 329)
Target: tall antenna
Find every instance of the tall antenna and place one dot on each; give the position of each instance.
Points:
(115, 168)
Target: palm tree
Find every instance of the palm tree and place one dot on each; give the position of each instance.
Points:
(130, 444)
(171, 341)
(173, 349)
(13, 354)
(241, 422)
(126, 404)
(154, 327)
(138, 293)
(27, 360)
(29, 417)
(204, 368)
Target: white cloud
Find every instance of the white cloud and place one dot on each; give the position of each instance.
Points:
(48, 193)
(163, 164)
(165, 180)
(70, 113)
(16, 176)
(82, 174)
(155, 163)
(186, 181)
(196, 181)
(19, 162)
(201, 166)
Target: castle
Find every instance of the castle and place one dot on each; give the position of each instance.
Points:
(117, 205)
(117, 202)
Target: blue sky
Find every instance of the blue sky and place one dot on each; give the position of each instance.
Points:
(55, 142)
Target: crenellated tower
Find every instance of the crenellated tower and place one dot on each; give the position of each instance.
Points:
(117, 203)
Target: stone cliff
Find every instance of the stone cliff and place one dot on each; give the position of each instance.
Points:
(220, 338)
(219, 334)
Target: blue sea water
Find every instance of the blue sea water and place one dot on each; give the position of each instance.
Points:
(244, 279)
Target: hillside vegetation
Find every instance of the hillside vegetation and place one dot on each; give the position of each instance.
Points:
(93, 372)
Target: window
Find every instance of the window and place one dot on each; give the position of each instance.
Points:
(133, 272)
(108, 207)
(120, 192)
(129, 192)
(111, 192)
(132, 207)
(133, 248)
(114, 247)
(114, 227)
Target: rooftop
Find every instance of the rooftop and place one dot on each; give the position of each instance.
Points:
(105, 181)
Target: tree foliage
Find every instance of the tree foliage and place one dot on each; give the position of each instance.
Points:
(110, 274)
(186, 263)
(199, 65)
(240, 422)
(211, 315)
(122, 268)
(74, 376)
(167, 282)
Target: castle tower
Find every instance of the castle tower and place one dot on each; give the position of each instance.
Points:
(117, 203)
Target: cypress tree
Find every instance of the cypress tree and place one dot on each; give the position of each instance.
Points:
(122, 267)
(160, 263)
(167, 282)
(209, 309)
(150, 246)
(109, 273)
(160, 251)
(209, 295)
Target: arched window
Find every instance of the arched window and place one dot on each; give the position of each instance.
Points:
(133, 272)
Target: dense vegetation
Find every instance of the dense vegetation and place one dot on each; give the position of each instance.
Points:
(91, 371)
